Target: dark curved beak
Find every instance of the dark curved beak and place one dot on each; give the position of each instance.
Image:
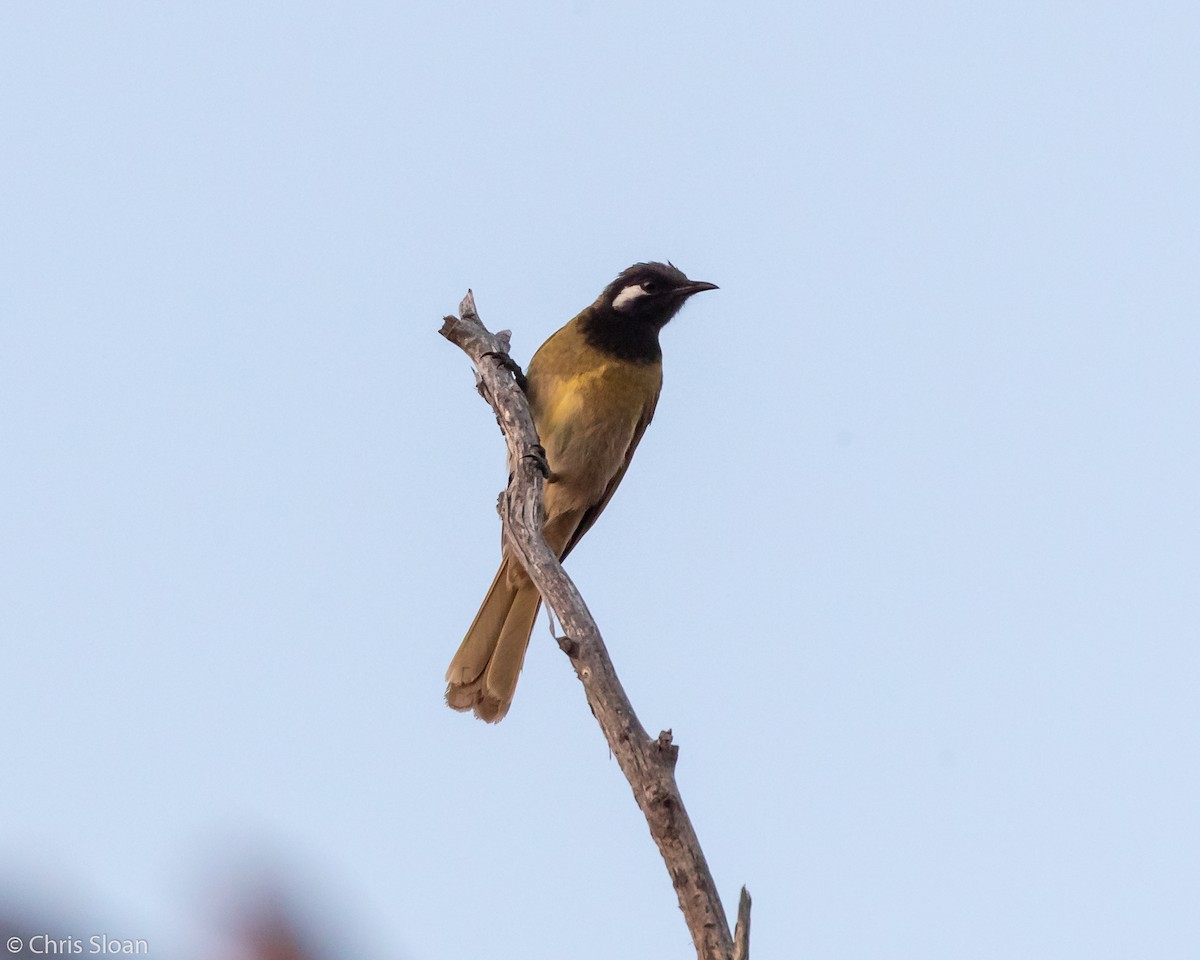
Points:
(696, 286)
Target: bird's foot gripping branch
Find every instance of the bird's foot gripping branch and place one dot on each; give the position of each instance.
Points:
(648, 764)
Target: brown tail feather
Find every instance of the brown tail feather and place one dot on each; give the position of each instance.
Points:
(483, 674)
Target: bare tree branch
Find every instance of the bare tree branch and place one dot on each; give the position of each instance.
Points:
(648, 764)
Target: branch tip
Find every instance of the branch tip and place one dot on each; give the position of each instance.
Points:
(741, 933)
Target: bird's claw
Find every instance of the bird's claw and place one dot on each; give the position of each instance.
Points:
(538, 455)
(511, 365)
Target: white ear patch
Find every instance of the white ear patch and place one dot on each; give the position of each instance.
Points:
(628, 295)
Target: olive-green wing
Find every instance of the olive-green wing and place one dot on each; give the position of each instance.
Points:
(594, 511)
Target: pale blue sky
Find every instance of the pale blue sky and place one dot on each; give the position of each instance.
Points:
(908, 559)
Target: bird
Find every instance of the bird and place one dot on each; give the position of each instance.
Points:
(592, 389)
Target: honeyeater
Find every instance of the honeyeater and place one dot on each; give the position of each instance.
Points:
(592, 389)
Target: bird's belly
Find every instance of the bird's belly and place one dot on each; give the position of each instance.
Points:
(586, 428)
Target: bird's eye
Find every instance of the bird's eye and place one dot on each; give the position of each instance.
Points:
(649, 286)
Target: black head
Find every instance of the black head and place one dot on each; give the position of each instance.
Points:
(650, 293)
(625, 319)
